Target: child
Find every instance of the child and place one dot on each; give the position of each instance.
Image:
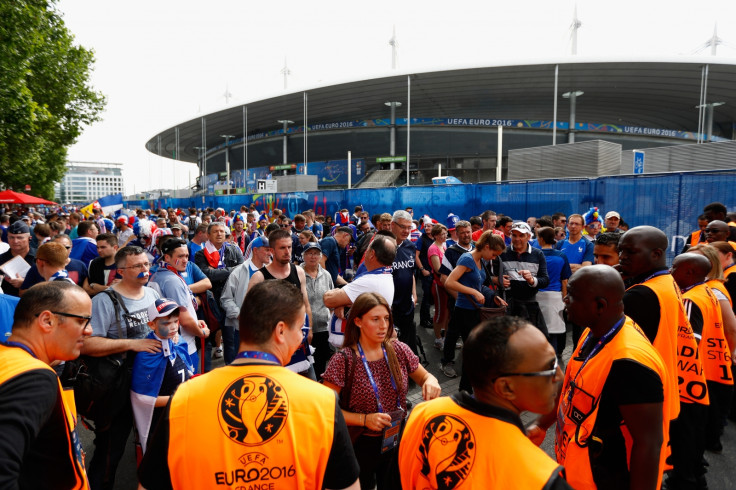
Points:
(156, 376)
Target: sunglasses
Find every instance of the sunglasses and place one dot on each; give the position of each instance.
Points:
(547, 372)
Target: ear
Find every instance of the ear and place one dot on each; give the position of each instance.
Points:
(504, 387)
(279, 332)
(46, 321)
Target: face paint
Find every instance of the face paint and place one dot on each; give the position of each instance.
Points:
(143, 274)
(163, 329)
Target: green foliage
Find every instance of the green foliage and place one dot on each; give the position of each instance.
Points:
(45, 96)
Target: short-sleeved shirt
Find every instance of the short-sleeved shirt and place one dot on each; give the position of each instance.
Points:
(403, 271)
(578, 252)
(99, 273)
(433, 251)
(135, 323)
(331, 251)
(473, 278)
(362, 397)
(193, 249)
(558, 269)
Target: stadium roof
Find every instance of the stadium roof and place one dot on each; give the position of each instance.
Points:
(647, 93)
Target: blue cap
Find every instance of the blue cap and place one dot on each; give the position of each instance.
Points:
(260, 241)
(451, 220)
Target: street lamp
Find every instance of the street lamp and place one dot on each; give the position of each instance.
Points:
(227, 157)
(573, 95)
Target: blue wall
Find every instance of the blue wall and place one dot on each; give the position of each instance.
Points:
(671, 202)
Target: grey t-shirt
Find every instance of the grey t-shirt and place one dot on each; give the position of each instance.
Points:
(135, 323)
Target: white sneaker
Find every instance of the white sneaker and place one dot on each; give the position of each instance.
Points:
(449, 370)
(439, 344)
(217, 353)
(459, 344)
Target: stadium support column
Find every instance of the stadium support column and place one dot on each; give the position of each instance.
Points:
(392, 147)
(572, 95)
(286, 123)
(408, 128)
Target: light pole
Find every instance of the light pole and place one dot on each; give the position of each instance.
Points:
(392, 147)
(286, 123)
(227, 157)
(203, 178)
(573, 95)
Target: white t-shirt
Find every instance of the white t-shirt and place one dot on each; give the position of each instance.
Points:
(382, 284)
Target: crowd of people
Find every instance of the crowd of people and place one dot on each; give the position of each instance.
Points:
(313, 318)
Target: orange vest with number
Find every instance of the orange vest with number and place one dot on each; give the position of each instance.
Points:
(713, 347)
(250, 426)
(15, 361)
(578, 408)
(674, 326)
(446, 445)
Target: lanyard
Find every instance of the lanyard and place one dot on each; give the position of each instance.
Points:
(596, 348)
(254, 354)
(373, 381)
(380, 270)
(656, 274)
(22, 346)
(690, 287)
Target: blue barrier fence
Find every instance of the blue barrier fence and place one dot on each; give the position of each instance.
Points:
(671, 202)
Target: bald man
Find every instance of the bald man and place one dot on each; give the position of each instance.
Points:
(690, 270)
(654, 302)
(612, 430)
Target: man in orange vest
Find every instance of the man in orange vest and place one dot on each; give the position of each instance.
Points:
(611, 424)
(654, 302)
(40, 447)
(704, 312)
(479, 441)
(254, 423)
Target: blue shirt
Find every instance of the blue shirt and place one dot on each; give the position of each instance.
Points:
(332, 253)
(75, 268)
(84, 249)
(193, 249)
(403, 272)
(7, 310)
(473, 278)
(558, 269)
(578, 252)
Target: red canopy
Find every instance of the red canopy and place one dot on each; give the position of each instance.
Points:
(13, 197)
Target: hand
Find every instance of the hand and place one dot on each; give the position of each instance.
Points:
(506, 281)
(536, 434)
(527, 275)
(147, 345)
(17, 282)
(425, 272)
(309, 336)
(340, 312)
(204, 329)
(431, 388)
(377, 421)
(499, 301)
(479, 298)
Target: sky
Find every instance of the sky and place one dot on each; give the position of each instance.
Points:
(162, 62)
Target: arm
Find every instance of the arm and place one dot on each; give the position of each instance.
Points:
(443, 282)
(729, 324)
(434, 260)
(430, 386)
(256, 278)
(303, 280)
(334, 298)
(192, 326)
(161, 401)
(644, 422)
(201, 286)
(102, 346)
(227, 298)
(453, 284)
(372, 421)
(419, 266)
(414, 289)
(564, 287)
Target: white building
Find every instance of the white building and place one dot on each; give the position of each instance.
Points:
(85, 182)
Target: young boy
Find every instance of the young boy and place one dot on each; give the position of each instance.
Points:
(157, 375)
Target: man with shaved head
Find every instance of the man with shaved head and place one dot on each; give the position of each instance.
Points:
(612, 418)
(690, 270)
(654, 302)
(718, 231)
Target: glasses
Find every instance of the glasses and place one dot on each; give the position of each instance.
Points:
(72, 315)
(548, 372)
(403, 227)
(138, 267)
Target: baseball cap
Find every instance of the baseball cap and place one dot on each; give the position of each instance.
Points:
(18, 228)
(521, 227)
(260, 241)
(612, 214)
(176, 226)
(311, 246)
(162, 307)
(451, 220)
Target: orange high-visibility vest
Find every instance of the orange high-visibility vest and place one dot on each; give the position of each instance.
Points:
(675, 327)
(713, 347)
(696, 237)
(250, 426)
(446, 445)
(718, 284)
(578, 408)
(14, 362)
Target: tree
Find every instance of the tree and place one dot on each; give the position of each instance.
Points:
(45, 95)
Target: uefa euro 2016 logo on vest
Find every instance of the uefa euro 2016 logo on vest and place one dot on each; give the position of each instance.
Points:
(253, 410)
(447, 451)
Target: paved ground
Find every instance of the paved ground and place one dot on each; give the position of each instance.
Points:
(720, 474)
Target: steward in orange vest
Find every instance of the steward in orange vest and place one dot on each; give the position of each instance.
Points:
(40, 446)
(704, 311)
(479, 441)
(612, 423)
(254, 423)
